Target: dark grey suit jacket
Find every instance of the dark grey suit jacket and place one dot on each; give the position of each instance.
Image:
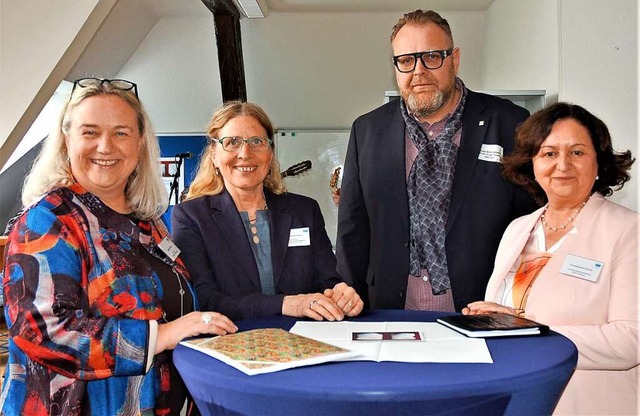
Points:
(373, 216)
(217, 253)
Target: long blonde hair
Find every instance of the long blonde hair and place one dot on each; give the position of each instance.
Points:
(145, 191)
(207, 180)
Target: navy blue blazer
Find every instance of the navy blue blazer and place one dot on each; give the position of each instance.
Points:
(373, 216)
(217, 253)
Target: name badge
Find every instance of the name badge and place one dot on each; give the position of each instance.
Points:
(581, 268)
(491, 153)
(169, 249)
(299, 237)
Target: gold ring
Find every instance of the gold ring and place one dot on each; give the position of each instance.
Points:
(349, 305)
(311, 303)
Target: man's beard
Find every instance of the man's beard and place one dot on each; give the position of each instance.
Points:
(423, 104)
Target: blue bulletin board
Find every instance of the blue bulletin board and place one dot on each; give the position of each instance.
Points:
(172, 145)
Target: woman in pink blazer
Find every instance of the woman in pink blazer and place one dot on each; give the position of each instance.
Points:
(572, 264)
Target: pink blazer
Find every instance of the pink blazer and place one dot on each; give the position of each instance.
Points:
(601, 317)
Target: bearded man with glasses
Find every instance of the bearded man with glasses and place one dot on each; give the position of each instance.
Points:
(423, 204)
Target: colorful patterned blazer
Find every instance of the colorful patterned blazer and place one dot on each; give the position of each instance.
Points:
(81, 305)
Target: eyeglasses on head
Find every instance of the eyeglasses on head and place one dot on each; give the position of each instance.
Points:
(119, 84)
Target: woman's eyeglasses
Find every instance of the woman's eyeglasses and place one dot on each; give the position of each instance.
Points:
(119, 84)
(234, 144)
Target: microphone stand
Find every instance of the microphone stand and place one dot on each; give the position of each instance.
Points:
(175, 182)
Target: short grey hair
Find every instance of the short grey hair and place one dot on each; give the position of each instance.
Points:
(422, 17)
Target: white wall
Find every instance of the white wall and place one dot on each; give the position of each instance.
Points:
(176, 69)
(322, 70)
(39, 42)
(325, 70)
(599, 70)
(328, 68)
(521, 48)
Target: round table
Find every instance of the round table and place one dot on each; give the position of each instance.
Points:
(526, 378)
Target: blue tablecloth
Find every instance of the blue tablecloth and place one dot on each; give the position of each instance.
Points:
(526, 378)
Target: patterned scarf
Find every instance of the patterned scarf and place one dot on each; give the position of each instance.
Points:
(529, 269)
(429, 186)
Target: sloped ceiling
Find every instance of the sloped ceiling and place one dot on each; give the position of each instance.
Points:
(123, 31)
(285, 6)
(117, 39)
(130, 22)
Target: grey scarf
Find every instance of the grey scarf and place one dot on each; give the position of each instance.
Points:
(429, 186)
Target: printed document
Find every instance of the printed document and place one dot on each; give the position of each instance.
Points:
(413, 342)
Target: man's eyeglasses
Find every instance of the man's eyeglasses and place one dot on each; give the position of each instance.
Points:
(430, 59)
(234, 144)
(119, 84)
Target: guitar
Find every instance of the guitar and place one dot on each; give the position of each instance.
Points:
(333, 185)
(297, 169)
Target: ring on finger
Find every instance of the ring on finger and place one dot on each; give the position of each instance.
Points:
(206, 318)
(311, 303)
(349, 305)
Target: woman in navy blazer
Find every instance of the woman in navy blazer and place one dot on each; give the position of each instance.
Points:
(252, 248)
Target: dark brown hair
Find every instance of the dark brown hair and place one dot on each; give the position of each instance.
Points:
(613, 166)
(422, 17)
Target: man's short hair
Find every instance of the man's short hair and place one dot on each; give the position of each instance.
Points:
(421, 17)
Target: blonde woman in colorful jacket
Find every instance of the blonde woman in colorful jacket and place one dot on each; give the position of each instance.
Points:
(96, 295)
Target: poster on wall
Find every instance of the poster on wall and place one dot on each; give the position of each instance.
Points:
(174, 184)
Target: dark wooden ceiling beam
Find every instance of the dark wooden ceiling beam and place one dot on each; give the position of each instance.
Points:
(226, 18)
(222, 7)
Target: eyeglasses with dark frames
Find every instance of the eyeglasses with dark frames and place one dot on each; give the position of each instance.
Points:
(234, 144)
(119, 84)
(430, 59)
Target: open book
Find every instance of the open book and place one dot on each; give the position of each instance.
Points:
(267, 350)
(493, 325)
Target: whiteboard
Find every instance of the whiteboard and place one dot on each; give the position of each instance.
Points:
(326, 150)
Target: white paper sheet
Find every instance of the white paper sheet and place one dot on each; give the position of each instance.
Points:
(438, 344)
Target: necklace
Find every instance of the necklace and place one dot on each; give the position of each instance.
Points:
(253, 225)
(182, 292)
(569, 221)
(254, 229)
